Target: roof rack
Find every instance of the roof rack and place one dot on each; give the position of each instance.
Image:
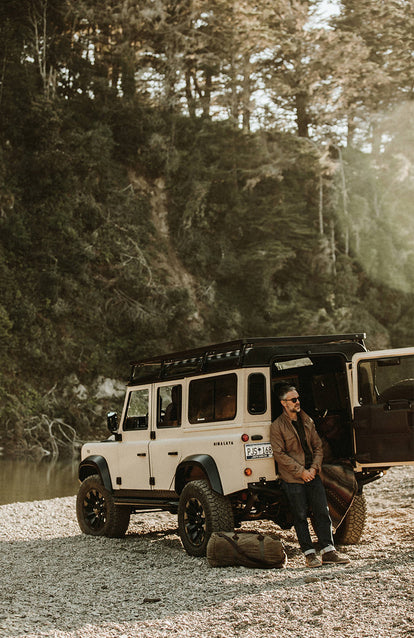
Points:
(224, 355)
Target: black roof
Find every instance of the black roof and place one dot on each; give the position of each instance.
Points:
(250, 352)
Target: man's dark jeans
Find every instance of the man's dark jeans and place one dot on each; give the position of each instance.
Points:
(302, 498)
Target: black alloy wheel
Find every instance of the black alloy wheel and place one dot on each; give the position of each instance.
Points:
(95, 509)
(97, 513)
(195, 521)
(201, 511)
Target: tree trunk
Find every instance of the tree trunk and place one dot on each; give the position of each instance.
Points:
(234, 99)
(246, 94)
(376, 139)
(344, 201)
(350, 131)
(39, 19)
(333, 247)
(170, 76)
(320, 205)
(128, 77)
(302, 118)
(191, 103)
(207, 94)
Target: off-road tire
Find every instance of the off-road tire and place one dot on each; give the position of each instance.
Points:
(350, 530)
(201, 512)
(96, 511)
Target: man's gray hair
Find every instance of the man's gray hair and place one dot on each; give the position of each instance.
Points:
(284, 390)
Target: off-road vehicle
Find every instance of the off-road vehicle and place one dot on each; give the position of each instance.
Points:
(193, 437)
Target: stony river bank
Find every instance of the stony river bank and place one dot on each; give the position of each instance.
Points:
(55, 582)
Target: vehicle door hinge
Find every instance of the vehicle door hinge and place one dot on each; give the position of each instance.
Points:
(152, 480)
(152, 435)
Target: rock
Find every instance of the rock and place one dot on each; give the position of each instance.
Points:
(80, 391)
(109, 388)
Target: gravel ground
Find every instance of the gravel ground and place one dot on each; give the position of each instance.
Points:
(56, 582)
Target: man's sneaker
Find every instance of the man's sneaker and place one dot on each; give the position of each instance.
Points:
(312, 560)
(333, 558)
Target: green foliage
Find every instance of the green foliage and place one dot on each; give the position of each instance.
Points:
(133, 222)
(6, 326)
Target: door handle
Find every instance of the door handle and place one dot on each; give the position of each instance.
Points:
(141, 454)
(172, 453)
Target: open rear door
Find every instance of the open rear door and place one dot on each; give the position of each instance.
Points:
(383, 402)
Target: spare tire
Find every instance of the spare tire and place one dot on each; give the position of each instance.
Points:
(402, 390)
(350, 530)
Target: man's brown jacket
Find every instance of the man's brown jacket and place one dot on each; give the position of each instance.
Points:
(287, 448)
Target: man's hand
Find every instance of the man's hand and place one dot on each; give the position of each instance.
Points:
(308, 475)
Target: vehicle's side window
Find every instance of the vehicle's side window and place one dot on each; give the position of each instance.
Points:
(213, 399)
(256, 402)
(169, 406)
(138, 410)
(386, 379)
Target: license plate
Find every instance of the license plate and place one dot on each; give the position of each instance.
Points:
(258, 451)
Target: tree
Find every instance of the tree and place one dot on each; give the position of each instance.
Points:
(381, 35)
(294, 63)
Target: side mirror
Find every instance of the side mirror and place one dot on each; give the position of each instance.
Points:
(112, 421)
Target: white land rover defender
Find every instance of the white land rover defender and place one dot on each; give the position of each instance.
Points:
(193, 437)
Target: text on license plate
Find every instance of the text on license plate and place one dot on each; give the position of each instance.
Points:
(258, 451)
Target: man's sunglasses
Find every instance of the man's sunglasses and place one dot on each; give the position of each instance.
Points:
(294, 400)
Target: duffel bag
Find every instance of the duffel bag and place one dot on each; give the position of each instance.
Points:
(250, 549)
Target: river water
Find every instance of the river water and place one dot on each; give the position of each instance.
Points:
(22, 480)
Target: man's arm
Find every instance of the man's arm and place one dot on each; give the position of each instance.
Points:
(280, 454)
(317, 450)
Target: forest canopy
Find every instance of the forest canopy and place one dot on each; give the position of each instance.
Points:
(179, 173)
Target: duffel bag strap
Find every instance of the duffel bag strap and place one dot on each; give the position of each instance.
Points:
(257, 561)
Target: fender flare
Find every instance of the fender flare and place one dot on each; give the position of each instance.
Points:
(206, 463)
(95, 464)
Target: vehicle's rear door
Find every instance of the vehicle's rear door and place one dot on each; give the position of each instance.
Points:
(383, 407)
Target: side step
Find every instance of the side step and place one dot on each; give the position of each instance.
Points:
(148, 504)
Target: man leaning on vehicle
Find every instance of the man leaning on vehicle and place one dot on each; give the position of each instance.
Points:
(297, 450)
